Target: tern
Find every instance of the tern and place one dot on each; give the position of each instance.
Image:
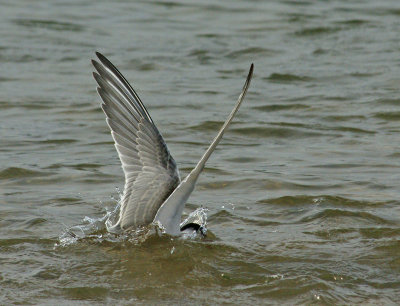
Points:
(153, 190)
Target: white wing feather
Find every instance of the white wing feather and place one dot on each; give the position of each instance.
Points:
(151, 173)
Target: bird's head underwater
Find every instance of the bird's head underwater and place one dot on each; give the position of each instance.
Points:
(193, 229)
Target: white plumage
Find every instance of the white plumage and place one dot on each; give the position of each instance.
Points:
(153, 190)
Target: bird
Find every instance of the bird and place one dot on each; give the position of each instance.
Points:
(153, 191)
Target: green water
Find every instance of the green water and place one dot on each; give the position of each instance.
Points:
(302, 193)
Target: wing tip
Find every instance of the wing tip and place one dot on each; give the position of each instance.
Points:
(97, 77)
(105, 61)
(251, 70)
(248, 79)
(95, 64)
(99, 55)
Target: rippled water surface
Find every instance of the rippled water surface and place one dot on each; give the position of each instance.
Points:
(302, 194)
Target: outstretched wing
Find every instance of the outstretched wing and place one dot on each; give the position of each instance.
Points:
(169, 214)
(151, 174)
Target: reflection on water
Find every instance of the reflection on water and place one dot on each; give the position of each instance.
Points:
(301, 198)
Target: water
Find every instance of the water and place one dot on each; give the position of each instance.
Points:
(302, 193)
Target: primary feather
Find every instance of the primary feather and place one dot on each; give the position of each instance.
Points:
(150, 171)
(153, 190)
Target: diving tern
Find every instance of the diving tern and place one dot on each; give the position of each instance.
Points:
(153, 191)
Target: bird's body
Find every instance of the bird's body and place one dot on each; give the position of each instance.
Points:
(153, 190)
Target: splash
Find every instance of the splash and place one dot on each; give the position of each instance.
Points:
(96, 229)
(199, 216)
(91, 228)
